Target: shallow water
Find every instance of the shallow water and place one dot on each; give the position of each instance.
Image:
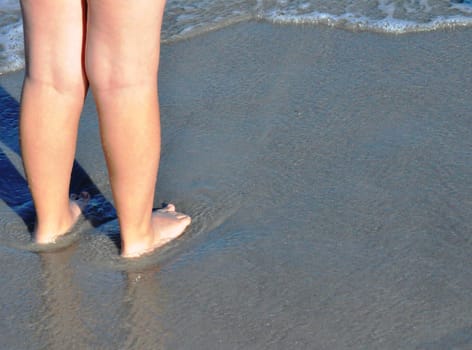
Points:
(329, 181)
(186, 18)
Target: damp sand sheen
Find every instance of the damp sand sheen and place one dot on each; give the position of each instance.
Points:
(328, 175)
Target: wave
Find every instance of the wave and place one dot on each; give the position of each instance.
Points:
(360, 23)
(187, 18)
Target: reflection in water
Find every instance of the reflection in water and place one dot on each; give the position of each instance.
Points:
(145, 330)
(67, 322)
(61, 324)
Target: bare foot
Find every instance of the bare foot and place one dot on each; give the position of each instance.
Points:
(77, 204)
(167, 224)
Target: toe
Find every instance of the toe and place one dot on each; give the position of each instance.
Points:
(186, 219)
(170, 207)
(81, 200)
(167, 209)
(85, 196)
(181, 216)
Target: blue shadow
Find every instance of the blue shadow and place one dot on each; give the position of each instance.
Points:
(13, 186)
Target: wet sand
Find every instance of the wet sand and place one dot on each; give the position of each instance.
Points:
(329, 177)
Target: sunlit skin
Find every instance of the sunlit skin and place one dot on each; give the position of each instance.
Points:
(111, 46)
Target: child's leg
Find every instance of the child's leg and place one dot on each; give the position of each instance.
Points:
(52, 98)
(122, 57)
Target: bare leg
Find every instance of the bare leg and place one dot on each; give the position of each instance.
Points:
(122, 58)
(52, 98)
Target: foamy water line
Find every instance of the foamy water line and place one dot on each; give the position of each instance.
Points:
(184, 18)
(352, 22)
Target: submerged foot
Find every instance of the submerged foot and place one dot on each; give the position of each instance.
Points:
(167, 224)
(50, 234)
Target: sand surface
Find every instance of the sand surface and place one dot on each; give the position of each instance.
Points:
(329, 177)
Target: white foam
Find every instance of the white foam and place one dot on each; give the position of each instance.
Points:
(11, 36)
(387, 23)
(186, 18)
(11, 42)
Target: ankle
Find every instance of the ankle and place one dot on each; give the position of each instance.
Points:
(53, 223)
(136, 241)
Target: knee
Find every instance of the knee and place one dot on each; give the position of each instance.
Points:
(117, 75)
(63, 78)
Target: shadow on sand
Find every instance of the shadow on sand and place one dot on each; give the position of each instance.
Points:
(13, 186)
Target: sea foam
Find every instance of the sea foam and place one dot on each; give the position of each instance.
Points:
(186, 18)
